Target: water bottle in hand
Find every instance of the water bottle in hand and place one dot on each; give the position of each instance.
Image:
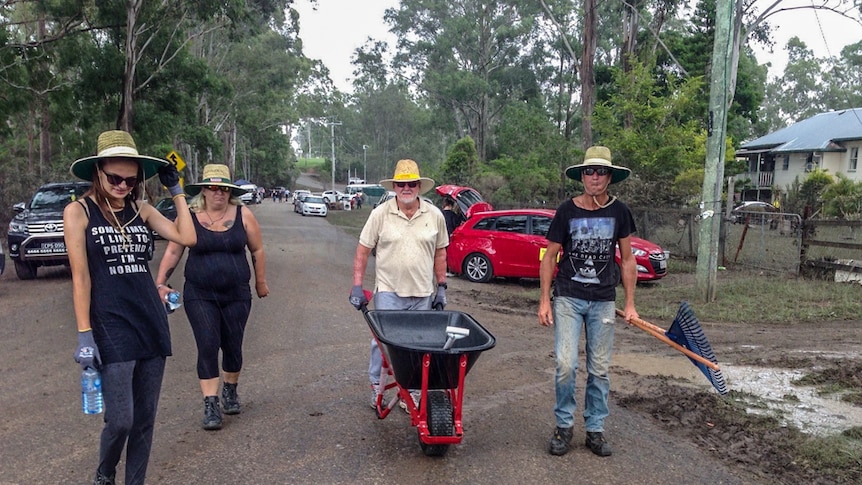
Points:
(173, 301)
(91, 391)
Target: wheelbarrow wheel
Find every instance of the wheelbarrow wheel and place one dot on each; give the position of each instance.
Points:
(440, 421)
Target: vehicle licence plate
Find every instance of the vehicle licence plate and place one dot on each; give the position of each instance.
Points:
(48, 247)
(662, 264)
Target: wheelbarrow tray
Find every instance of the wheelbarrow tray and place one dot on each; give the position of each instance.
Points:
(404, 336)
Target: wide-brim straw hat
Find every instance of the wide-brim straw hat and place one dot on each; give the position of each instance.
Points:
(116, 144)
(408, 171)
(218, 175)
(598, 156)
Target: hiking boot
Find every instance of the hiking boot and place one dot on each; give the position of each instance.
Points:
(102, 479)
(561, 443)
(597, 444)
(230, 401)
(212, 413)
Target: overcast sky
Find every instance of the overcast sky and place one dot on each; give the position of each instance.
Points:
(338, 27)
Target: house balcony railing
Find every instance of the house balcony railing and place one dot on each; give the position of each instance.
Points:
(758, 179)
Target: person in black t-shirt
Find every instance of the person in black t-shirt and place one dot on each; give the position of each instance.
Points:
(122, 325)
(453, 219)
(584, 233)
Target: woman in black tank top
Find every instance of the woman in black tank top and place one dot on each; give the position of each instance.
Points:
(216, 295)
(122, 324)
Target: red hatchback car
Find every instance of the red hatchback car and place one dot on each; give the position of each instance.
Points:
(510, 243)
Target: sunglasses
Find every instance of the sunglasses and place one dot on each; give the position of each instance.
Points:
(117, 180)
(218, 188)
(599, 170)
(412, 185)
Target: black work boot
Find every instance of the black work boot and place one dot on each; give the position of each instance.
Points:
(230, 401)
(597, 444)
(561, 443)
(102, 479)
(212, 413)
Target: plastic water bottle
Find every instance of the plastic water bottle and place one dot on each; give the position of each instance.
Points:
(91, 391)
(173, 301)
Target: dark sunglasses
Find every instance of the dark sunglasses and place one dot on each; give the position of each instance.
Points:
(217, 188)
(599, 170)
(117, 180)
(412, 185)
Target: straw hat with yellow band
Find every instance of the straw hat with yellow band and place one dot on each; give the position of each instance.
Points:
(216, 175)
(116, 144)
(408, 171)
(598, 156)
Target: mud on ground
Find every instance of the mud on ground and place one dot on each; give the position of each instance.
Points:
(828, 356)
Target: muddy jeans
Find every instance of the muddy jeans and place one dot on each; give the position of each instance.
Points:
(596, 318)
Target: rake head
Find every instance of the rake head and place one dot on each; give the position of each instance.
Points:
(686, 331)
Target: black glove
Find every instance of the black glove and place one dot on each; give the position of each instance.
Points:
(170, 178)
(357, 297)
(439, 298)
(88, 353)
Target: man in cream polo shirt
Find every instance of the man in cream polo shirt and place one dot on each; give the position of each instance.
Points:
(410, 239)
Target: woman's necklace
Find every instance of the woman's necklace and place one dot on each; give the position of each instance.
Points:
(213, 221)
(121, 227)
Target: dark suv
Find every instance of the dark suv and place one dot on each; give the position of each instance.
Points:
(36, 232)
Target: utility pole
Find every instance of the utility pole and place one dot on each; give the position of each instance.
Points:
(332, 142)
(721, 92)
(365, 163)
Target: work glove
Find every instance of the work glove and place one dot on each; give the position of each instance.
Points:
(170, 178)
(357, 297)
(88, 353)
(439, 298)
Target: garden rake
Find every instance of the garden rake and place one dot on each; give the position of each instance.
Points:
(686, 335)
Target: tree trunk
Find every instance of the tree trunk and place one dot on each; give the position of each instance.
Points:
(126, 118)
(588, 74)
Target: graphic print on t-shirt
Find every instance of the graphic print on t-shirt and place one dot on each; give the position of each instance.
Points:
(591, 250)
(125, 252)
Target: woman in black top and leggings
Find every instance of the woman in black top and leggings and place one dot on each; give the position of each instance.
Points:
(216, 295)
(122, 324)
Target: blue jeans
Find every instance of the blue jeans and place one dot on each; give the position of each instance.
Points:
(597, 319)
(387, 300)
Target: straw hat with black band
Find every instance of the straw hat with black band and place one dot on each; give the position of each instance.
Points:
(116, 144)
(216, 175)
(598, 156)
(408, 171)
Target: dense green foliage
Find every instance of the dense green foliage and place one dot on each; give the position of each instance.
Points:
(478, 92)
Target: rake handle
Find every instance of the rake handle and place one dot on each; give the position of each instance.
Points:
(659, 333)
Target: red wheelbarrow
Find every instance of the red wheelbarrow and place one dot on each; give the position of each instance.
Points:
(431, 352)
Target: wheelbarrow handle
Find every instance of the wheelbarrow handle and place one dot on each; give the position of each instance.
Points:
(659, 333)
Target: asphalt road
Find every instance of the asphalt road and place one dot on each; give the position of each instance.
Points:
(304, 386)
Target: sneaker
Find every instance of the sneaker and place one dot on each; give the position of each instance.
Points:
(416, 396)
(597, 444)
(230, 401)
(102, 479)
(374, 396)
(212, 413)
(561, 442)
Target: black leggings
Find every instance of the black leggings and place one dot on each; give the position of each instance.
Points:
(218, 325)
(131, 390)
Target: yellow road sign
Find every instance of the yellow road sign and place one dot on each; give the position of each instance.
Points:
(177, 160)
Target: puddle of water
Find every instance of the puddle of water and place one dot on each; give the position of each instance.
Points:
(800, 406)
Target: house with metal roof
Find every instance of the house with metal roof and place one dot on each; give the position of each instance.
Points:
(830, 141)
